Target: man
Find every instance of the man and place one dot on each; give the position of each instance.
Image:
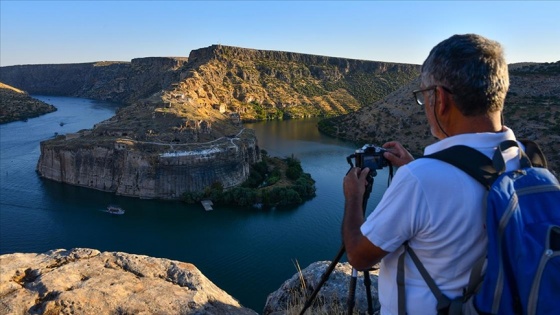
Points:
(434, 206)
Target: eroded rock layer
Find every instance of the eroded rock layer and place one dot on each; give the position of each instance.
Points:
(87, 281)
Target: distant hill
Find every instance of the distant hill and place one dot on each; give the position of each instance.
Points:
(16, 105)
(532, 110)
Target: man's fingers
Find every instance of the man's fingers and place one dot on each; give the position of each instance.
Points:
(364, 172)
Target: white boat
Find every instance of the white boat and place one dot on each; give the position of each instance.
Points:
(114, 210)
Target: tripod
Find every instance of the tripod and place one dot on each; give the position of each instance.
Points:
(353, 280)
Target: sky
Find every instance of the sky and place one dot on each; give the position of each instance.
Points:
(46, 32)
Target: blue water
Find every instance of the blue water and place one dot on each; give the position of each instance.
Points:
(249, 253)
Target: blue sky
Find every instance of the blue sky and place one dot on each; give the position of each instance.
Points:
(35, 32)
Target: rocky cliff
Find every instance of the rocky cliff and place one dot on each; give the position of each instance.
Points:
(121, 82)
(261, 84)
(18, 105)
(163, 170)
(86, 281)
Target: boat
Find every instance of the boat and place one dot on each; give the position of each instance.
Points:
(114, 210)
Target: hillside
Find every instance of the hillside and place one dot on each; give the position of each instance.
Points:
(18, 105)
(532, 110)
(254, 84)
(260, 85)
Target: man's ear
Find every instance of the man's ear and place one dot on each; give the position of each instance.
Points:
(445, 101)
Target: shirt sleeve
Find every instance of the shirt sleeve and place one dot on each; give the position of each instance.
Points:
(400, 214)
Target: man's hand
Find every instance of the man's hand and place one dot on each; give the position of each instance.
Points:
(361, 253)
(397, 154)
(354, 185)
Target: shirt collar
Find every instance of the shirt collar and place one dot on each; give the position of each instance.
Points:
(481, 141)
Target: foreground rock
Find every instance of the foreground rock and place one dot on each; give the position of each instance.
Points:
(18, 105)
(86, 281)
(331, 299)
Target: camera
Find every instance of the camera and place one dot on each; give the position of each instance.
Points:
(371, 156)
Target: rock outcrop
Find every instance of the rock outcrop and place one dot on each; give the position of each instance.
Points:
(86, 281)
(18, 105)
(332, 298)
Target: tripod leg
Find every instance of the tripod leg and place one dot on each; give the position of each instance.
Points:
(352, 292)
(367, 284)
(324, 278)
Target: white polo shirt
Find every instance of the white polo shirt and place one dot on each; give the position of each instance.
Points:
(439, 209)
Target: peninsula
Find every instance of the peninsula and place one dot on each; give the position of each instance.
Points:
(17, 105)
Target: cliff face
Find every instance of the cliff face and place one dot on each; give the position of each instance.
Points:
(261, 84)
(86, 281)
(122, 82)
(147, 169)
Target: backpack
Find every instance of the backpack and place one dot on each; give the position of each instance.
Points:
(523, 224)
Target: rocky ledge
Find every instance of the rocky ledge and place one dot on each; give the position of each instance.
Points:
(86, 281)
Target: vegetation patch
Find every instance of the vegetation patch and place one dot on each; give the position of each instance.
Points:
(272, 182)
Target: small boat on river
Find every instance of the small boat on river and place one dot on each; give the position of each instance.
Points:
(112, 209)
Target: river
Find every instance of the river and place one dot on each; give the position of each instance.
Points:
(247, 252)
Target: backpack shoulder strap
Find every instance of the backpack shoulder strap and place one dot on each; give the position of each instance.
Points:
(534, 153)
(470, 161)
(444, 305)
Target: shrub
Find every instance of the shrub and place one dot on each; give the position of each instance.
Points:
(294, 170)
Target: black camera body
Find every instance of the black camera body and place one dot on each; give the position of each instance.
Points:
(371, 156)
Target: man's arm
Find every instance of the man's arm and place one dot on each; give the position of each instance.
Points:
(361, 253)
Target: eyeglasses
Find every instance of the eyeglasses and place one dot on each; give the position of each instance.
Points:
(419, 94)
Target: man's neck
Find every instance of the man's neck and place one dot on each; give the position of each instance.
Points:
(477, 124)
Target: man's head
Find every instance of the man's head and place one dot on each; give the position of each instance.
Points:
(473, 69)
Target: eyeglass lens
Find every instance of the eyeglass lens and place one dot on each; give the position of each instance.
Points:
(420, 98)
